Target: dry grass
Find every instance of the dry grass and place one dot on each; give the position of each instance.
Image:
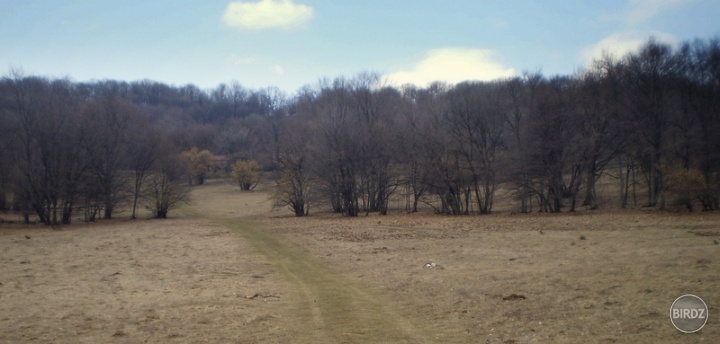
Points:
(594, 277)
(179, 280)
(616, 285)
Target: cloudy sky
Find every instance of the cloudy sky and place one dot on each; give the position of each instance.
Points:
(291, 43)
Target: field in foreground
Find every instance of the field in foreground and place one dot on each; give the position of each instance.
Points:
(229, 269)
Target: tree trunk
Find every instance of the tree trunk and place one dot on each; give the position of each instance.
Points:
(624, 173)
(134, 205)
(107, 212)
(67, 214)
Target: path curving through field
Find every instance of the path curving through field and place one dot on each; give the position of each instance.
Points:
(330, 308)
(326, 307)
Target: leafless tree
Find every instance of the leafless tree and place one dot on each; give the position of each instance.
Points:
(166, 186)
(294, 182)
(475, 121)
(414, 130)
(700, 96)
(107, 122)
(600, 105)
(7, 137)
(334, 150)
(49, 154)
(143, 149)
(651, 78)
(521, 93)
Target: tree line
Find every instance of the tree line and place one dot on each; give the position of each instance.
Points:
(650, 120)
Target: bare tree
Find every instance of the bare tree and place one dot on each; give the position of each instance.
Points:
(475, 121)
(50, 160)
(335, 154)
(651, 76)
(7, 137)
(448, 176)
(143, 149)
(603, 133)
(700, 92)
(107, 121)
(521, 93)
(375, 118)
(294, 183)
(166, 186)
(413, 131)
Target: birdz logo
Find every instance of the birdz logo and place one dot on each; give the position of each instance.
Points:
(688, 313)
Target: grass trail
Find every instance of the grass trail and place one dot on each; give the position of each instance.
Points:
(330, 308)
(327, 307)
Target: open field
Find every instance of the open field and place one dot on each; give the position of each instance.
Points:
(229, 269)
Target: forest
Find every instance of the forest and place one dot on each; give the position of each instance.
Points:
(650, 120)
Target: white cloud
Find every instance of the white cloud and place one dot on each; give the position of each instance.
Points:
(266, 14)
(452, 65)
(640, 11)
(279, 70)
(620, 44)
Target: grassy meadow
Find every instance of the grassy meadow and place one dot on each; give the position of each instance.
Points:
(230, 268)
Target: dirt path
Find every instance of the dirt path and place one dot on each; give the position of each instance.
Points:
(329, 307)
(325, 306)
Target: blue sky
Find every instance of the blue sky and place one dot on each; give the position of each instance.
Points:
(291, 43)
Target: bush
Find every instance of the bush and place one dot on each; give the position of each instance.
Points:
(293, 188)
(685, 186)
(246, 173)
(199, 164)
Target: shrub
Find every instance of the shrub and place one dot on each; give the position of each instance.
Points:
(246, 173)
(685, 186)
(199, 164)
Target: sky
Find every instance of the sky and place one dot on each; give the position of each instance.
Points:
(292, 43)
